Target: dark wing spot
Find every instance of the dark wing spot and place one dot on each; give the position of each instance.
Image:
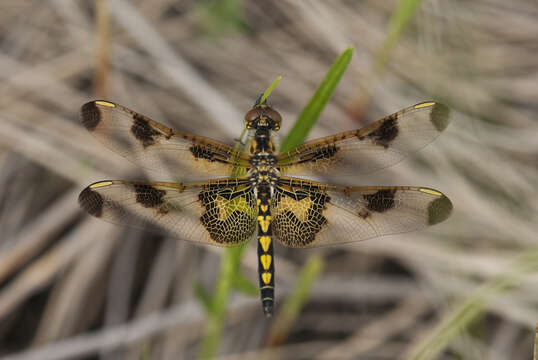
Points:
(386, 132)
(90, 115)
(91, 202)
(324, 153)
(148, 196)
(439, 210)
(380, 201)
(200, 152)
(204, 152)
(321, 153)
(143, 131)
(439, 116)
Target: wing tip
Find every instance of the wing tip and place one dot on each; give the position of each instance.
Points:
(90, 115)
(91, 201)
(440, 116)
(439, 210)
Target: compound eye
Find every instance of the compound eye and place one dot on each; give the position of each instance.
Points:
(251, 116)
(275, 116)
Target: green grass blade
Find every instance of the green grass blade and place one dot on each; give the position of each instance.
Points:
(221, 17)
(313, 109)
(244, 285)
(203, 297)
(219, 301)
(270, 90)
(398, 23)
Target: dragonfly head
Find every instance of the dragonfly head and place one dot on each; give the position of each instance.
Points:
(262, 116)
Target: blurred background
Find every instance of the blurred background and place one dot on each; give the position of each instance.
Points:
(74, 287)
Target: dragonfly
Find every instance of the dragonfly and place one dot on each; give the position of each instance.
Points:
(266, 202)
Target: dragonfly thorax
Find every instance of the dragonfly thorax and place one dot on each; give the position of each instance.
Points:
(264, 175)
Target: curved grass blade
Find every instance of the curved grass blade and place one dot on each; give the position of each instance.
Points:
(398, 23)
(269, 90)
(310, 113)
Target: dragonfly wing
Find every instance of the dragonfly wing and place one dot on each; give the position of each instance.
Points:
(154, 146)
(218, 212)
(379, 145)
(311, 214)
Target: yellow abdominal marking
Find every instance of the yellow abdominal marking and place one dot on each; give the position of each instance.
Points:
(264, 208)
(264, 222)
(100, 184)
(266, 261)
(431, 192)
(266, 277)
(265, 241)
(420, 106)
(105, 103)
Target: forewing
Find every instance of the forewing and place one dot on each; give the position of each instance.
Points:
(156, 147)
(379, 145)
(310, 214)
(218, 212)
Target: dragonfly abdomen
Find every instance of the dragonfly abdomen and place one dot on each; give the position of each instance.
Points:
(266, 267)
